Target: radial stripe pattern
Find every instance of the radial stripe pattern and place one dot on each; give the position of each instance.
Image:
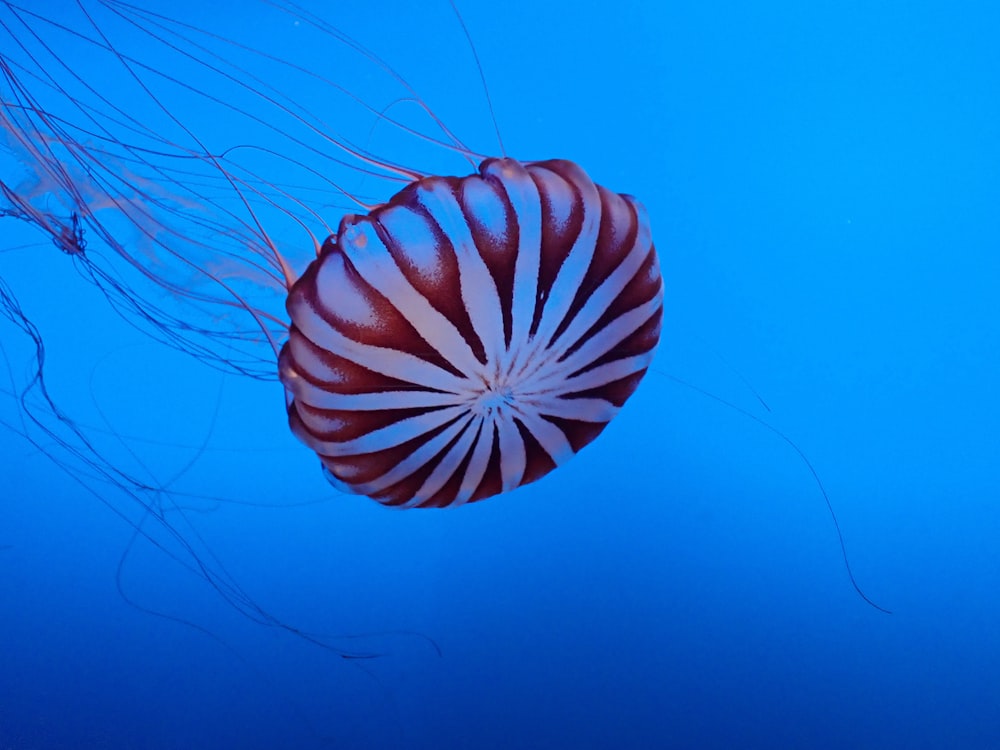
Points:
(471, 334)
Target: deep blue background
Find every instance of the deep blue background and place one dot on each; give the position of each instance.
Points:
(822, 179)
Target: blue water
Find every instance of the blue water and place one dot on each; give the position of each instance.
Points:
(822, 180)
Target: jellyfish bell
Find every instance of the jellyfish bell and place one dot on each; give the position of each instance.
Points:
(472, 334)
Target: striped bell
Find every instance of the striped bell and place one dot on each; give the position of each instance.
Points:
(471, 334)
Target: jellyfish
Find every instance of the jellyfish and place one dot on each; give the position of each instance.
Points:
(464, 337)
(472, 334)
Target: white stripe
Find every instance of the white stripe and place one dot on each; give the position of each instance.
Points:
(479, 462)
(513, 460)
(317, 397)
(371, 257)
(600, 343)
(413, 463)
(574, 268)
(391, 435)
(478, 288)
(579, 409)
(448, 464)
(551, 438)
(395, 364)
(522, 193)
(604, 296)
(606, 373)
(301, 353)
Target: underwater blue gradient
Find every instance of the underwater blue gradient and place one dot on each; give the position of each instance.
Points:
(823, 181)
